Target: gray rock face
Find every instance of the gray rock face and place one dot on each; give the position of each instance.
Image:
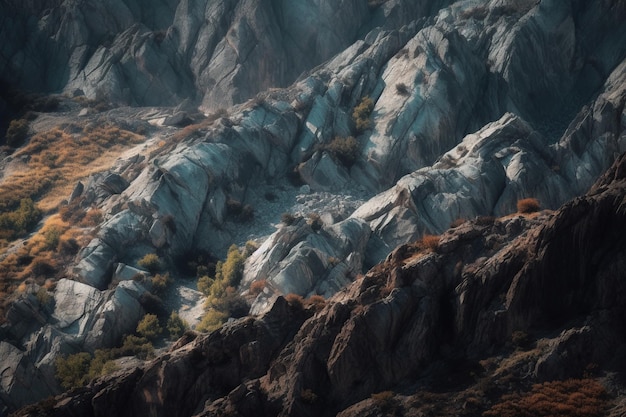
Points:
(296, 259)
(82, 318)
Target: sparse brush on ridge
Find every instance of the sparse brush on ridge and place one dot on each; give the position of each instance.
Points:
(528, 205)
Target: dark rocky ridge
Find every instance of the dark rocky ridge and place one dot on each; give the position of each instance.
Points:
(559, 277)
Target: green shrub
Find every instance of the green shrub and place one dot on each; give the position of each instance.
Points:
(73, 371)
(232, 268)
(212, 320)
(361, 114)
(20, 221)
(136, 346)
(344, 149)
(149, 327)
(176, 326)
(17, 132)
(204, 284)
(150, 262)
(51, 238)
(102, 363)
(160, 282)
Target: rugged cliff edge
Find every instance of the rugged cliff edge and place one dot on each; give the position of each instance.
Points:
(423, 317)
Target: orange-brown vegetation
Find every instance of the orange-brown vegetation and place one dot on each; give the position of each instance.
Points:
(570, 398)
(256, 287)
(41, 258)
(56, 159)
(528, 205)
(295, 300)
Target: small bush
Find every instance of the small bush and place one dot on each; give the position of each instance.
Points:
(51, 238)
(102, 363)
(431, 242)
(136, 346)
(176, 326)
(42, 267)
(287, 219)
(17, 132)
(232, 268)
(256, 287)
(346, 150)
(150, 262)
(68, 247)
(250, 248)
(402, 89)
(151, 303)
(528, 205)
(20, 221)
(204, 284)
(361, 114)
(160, 282)
(238, 212)
(73, 371)
(316, 301)
(295, 300)
(149, 327)
(212, 320)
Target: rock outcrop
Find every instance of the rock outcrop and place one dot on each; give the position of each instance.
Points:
(39, 329)
(558, 277)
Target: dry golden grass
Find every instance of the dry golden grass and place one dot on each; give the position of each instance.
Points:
(41, 258)
(55, 160)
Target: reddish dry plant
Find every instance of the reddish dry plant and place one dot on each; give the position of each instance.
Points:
(570, 398)
(295, 300)
(528, 205)
(430, 242)
(256, 287)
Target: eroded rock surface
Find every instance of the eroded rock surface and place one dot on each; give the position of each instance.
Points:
(460, 299)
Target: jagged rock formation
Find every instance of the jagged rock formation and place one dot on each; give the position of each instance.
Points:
(217, 53)
(559, 275)
(475, 105)
(80, 318)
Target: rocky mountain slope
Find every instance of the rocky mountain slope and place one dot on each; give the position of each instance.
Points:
(390, 119)
(442, 317)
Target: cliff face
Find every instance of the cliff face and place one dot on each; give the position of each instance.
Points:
(556, 277)
(395, 118)
(158, 53)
